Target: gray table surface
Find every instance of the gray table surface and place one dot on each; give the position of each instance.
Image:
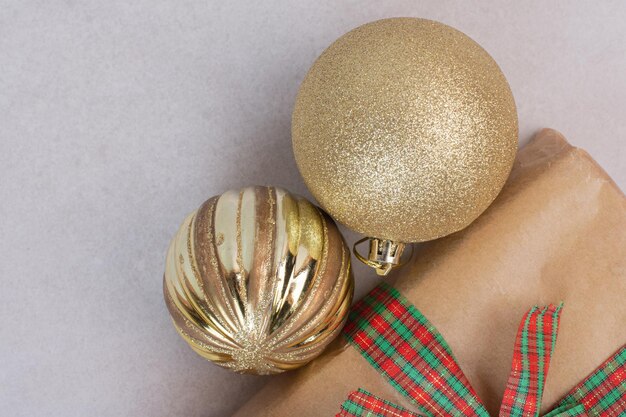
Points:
(118, 118)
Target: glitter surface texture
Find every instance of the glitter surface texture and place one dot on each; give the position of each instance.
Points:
(258, 280)
(405, 129)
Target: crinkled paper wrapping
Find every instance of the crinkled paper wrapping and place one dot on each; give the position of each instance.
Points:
(557, 232)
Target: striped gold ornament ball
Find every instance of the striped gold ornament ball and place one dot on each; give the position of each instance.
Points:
(258, 280)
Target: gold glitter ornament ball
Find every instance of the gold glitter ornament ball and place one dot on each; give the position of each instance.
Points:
(405, 129)
(258, 280)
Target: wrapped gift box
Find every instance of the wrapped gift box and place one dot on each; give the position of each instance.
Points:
(557, 232)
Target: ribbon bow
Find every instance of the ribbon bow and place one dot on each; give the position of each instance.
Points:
(405, 347)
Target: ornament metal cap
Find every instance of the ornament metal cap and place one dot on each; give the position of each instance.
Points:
(384, 254)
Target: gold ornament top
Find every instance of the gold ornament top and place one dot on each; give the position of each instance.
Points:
(258, 280)
(405, 129)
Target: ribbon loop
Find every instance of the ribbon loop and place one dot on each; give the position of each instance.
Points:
(405, 347)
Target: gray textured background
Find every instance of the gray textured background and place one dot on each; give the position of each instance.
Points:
(119, 118)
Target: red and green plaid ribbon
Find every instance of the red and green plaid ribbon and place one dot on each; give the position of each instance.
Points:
(603, 393)
(362, 403)
(536, 338)
(401, 344)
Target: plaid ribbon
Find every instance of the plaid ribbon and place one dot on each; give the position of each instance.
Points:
(397, 340)
(536, 338)
(603, 393)
(362, 403)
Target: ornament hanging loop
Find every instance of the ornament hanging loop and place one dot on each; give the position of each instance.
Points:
(384, 254)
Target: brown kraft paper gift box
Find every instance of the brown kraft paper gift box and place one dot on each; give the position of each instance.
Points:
(557, 232)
